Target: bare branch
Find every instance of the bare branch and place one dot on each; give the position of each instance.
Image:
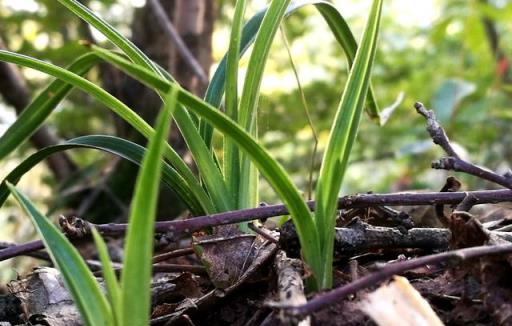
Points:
(454, 162)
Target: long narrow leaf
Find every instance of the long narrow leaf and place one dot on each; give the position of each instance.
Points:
(273, 173)
(136, 275)
(109, 275)
(207, 166)
(43, 104)
(79, 280)
(111, 102)
(110, 33)
(264, 37)
(248, 185)
(342, 137)
(114, 145)
(336, 23)
(206, 163)
(231, 154)
(267, 165)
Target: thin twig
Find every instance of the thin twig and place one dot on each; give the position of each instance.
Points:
(20, 250)
(177, 268)
(93, 264)
(435, 130)
(362, 237)
(290, 286)
(459, 165)
(162, 268)
(326, 299)
(466, 204)
(262, 231)
(175, 38)
(178, 228)
(172, 254)
(181, 227)
(34, 254)
(454, 161)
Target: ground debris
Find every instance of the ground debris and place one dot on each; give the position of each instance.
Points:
(45, 299)
(398, 303)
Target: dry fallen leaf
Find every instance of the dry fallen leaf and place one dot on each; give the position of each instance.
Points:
(399, 304)
(45, 299)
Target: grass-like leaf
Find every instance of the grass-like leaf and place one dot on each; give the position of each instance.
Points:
(339, 29)
(109, 275)
(248, 185)
(342, 137)
(208, 168)
(316, 236)
(114, 145)
(79, 280)
(267, 165)
(110, 33)
(255, 68)
(205, 161)
(231, 154)
(116, 106)
(40, 108)
(136, 275)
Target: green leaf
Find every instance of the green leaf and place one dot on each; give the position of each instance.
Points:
(341, 138)
(267, 165)
(336, 23)
(271, 170)
(109, 275)
(110, 33)
(255, 68)
(249, 99)
(79, 280)
(114, 145)
(231, 154)
(136, 275)
(208, 168)
(449, 95)
(116, 106)
(40, 108)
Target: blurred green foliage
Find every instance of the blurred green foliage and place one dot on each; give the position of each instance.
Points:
(436, 52)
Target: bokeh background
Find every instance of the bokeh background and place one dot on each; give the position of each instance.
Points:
(454, 56)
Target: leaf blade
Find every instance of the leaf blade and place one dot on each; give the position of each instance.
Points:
(336, 23)
(136, 275)
(231, 154)
(116, 106)
(113, 289)
(40, 108)
(248, 185)
(79, 280)
(341, 138)
(113, 145)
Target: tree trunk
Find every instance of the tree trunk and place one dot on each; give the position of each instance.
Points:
(194, 21)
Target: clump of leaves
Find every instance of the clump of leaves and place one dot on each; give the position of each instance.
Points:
(232, 186)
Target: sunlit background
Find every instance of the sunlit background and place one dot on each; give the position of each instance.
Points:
(437, 52)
